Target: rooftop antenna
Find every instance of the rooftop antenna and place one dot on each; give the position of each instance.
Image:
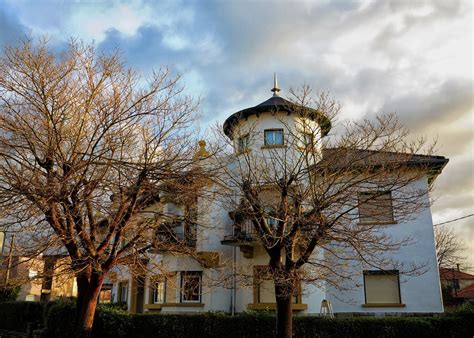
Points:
(275, 88)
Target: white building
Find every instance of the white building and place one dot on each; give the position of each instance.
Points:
(188, 286)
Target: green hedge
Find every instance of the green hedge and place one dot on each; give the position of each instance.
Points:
(112, 322)
(116, 323)
(16, 316)
(9, 294)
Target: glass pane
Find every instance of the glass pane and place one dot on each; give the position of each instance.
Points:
(269, 137)
(105, 296)
(272, 222)
(278, 137)
(243, 143)
(158, 292)
(123, 292)
(191, 287)
(266, 292)
(295, 297)
(382, 289)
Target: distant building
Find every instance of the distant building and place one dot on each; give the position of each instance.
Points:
(460, 284)
(40, 278)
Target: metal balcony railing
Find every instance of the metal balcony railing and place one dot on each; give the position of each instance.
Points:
(181, 233)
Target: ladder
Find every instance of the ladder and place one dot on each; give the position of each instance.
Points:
(326, 309)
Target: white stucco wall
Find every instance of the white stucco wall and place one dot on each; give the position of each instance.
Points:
(421, 292)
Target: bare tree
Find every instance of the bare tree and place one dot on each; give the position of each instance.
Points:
(87, 146)
(320, 205)
(449, 247)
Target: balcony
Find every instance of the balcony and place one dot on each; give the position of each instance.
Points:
(178, 233)
(244, 235)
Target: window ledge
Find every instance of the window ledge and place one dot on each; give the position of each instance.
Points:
(377, 223)
(273, 146)
(273, 306)
(383, 305)
(159, 306)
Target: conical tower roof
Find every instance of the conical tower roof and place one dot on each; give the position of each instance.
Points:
(278, 104)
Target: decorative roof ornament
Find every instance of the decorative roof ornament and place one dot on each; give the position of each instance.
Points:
(275, 88)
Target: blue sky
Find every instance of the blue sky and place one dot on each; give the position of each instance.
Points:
(410, 57)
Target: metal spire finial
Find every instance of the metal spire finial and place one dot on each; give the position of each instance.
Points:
(275, 88)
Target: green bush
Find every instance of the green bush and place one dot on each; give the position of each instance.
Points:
(16, 316)
(114, 322)
(9, 294)
(61, 320)
(111, 322)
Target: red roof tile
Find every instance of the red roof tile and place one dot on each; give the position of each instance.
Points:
(445, 273)
(467, 292)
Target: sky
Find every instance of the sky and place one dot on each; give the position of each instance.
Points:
(414, 58)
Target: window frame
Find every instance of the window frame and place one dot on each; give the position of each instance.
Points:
(273, 130)
(368, 219)
(243, 143)
(384, 273)
(183, 275)
(307, 141)
(121, 286)
(152, 289)
(106, 288)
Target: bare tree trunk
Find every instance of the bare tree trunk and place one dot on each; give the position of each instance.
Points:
(284, 311)
(87, 305)
(82, 280)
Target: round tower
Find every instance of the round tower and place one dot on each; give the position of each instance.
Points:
(276, 124)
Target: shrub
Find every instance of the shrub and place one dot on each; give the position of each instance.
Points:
(113, 322)
(61, 319)
(9, 294)
(16, 316)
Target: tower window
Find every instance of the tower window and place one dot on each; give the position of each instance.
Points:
(243, 143)
(273, 137)
(308, 140)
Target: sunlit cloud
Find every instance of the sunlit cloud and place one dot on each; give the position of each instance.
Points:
(410, 57)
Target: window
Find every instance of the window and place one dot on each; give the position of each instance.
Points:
(2, 239)
(157, 290)
(123, 292)
(243, 143)
(382, 287)
(272, 222)
(191, 286)
(273, 137)
(375, 207)
(264, 287)
(105, 294)
(307, 140)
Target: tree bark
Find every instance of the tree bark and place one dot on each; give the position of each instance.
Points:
(284, 297)
(87, 304)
